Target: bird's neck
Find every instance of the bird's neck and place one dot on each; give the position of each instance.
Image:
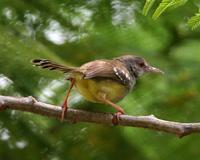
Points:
(133, 71)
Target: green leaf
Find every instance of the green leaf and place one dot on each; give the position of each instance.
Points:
(194, 21)
(166, 4)
(147, 6)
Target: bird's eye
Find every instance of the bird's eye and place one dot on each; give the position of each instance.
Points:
(141, 64)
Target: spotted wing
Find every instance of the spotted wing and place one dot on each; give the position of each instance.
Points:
(122, 74)
(106, 69)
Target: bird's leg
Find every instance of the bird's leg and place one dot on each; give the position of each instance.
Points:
(65, 103)
(120, 111)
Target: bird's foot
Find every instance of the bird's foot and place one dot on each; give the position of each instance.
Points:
(65, 103)
(116, 116)
(64, 110)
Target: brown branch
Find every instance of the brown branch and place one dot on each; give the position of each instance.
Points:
(29, 104)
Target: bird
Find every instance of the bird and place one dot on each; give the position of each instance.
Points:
(105, 81)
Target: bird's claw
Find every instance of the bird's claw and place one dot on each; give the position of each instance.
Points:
(115, 119)
(64, 110)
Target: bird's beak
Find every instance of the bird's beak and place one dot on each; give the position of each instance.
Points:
(153, 70)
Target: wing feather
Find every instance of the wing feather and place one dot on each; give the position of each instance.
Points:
(106, 69)
(98, 68)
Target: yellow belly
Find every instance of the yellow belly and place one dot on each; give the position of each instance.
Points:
(90, 89)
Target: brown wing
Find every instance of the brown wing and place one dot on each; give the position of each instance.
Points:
(98, 68)
(106, 69)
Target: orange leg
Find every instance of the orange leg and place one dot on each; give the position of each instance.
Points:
(120, 111)
(65, 103)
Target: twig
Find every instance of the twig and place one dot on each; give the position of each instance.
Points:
(29, 104)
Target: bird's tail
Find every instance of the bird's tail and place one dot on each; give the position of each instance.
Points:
(50, 65)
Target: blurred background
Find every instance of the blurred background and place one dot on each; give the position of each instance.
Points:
(75, 32)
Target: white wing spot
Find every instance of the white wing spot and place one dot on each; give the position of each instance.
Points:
(117, 73)
(115, 69)
(123, 72)
(127, 76)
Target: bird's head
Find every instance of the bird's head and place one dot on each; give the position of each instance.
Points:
(137, 66)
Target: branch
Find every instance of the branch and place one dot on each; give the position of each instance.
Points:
(29, 104)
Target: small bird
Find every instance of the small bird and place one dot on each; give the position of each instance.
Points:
(102, 81)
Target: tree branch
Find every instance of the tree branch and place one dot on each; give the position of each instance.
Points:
(29, 104)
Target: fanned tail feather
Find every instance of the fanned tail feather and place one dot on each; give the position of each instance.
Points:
(50, 65)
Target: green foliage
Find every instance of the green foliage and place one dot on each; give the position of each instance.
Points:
(75, 32)
(167, 4)
(164, 5)
(194, 21)
(147, 6)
